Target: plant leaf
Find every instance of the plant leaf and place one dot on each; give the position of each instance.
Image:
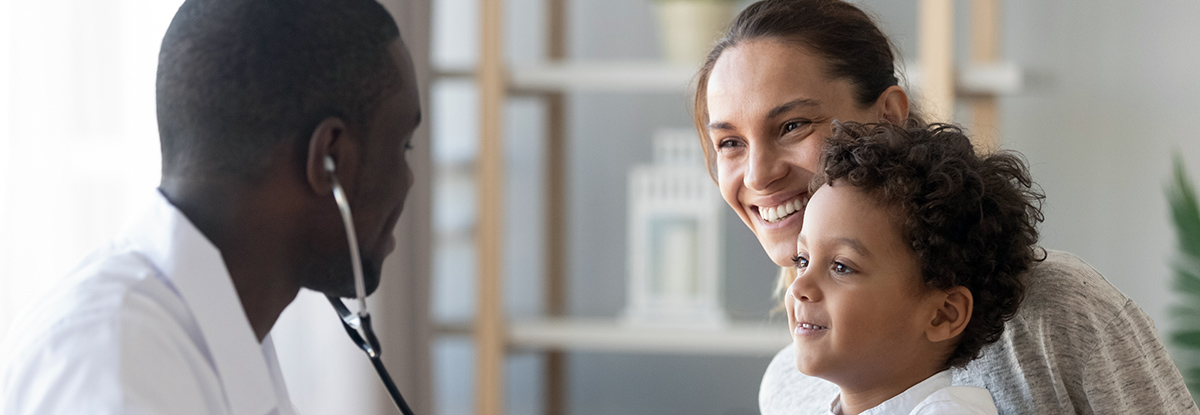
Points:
(1185, 215)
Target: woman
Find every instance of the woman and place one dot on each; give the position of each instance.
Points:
(765, 102)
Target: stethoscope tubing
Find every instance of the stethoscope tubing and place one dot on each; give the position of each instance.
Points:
(358, 325)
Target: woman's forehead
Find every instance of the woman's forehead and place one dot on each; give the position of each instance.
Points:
(763, 74)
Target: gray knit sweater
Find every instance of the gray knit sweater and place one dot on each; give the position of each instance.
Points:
(1077, 345)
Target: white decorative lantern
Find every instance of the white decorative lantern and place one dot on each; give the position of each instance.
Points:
(674, 238)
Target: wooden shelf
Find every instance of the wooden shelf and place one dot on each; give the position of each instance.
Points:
(601, 76)
(1000, 78)
(607, 335)
(992, 79)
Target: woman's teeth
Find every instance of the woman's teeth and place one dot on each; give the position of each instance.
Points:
(807, 326)
(777, 213)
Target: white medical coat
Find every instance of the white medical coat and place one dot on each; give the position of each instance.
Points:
(150, 324)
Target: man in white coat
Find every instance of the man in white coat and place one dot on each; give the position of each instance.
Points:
(174, 315)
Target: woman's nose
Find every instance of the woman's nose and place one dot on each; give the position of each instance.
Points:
(765, 168)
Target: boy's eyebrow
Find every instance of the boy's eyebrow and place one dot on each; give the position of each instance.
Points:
(854, 244)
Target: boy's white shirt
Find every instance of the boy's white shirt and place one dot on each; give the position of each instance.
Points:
(933, 396)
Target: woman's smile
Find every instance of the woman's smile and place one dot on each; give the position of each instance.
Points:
(781, 212)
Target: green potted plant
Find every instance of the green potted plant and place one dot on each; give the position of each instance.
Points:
(1185, 213)
(687, 28)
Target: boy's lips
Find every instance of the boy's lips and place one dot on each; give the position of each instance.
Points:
(809, 329)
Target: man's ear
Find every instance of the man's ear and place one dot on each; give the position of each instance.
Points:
(330, 139)
(951, 316)
(892, 105)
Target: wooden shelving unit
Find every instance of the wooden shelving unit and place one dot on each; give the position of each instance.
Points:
(495, 335)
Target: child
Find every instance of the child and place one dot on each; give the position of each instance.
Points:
(908, 263)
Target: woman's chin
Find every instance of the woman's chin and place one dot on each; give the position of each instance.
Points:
(780, 241)
(782, 252)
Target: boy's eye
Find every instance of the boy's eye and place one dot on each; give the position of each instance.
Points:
(801, 262)
(841, 268)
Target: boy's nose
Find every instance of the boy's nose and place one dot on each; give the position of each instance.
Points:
(802, 288)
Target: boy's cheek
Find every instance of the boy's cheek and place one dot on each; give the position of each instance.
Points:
(789, 305)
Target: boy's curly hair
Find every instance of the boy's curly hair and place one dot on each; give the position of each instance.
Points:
(970, 219)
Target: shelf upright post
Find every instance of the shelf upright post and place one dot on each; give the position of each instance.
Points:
(935, 34)
(985, 49)
(555, 239)
(490, 316)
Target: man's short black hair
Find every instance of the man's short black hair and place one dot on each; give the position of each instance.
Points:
(237, 78)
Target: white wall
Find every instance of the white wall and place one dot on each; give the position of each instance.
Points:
(1118, 92)
(1112, 91)
(79, 141)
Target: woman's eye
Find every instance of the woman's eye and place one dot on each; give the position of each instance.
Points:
(728, 143)
(793, 125)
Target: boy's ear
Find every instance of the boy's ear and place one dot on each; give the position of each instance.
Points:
(950, 318)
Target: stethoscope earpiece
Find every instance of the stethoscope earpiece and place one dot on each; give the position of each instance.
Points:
(329, 164)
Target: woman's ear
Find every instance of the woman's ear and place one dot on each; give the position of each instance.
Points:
(892, 105)
(330, 139)
(950, 318)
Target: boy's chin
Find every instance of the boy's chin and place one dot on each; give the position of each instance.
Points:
(807, 367)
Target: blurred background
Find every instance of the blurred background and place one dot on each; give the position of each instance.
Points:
(1096, 94)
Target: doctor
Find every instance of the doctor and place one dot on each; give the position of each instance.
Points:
(174, 315)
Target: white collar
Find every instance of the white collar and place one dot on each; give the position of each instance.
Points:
(197, 271)
(905, 401)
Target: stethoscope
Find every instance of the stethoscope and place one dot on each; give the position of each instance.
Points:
(358, 325)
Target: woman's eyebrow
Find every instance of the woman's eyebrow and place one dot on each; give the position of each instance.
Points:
(791, 105)
(721, 125)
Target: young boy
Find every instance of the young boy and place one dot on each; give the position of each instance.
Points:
(908, 263)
